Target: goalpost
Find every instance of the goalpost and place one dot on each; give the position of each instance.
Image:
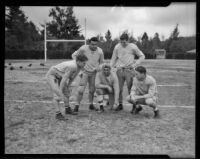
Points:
(60, 40)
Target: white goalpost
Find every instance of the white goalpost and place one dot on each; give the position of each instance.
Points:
(60, 40)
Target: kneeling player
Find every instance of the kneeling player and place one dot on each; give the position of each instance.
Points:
(60, 77)
(106, 84)
(143, 91)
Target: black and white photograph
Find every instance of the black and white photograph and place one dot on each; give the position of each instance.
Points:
(113, 80)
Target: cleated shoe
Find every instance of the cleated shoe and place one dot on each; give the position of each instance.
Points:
(68, 110)
(59, 116)
(120, 107)
(138, 109)
(92, 107)
(101, 110)
(156, 114)
(76, 108)
(133, 109)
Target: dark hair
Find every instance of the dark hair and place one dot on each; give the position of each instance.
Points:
(81, 57)
(94, 39)
(124, 36)
(141, 69)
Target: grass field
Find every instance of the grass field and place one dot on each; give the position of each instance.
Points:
(31, 128)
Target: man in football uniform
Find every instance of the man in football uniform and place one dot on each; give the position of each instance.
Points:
(107, 85)
(123, 62)
(95, 59)
(59, 78)
(143, 91)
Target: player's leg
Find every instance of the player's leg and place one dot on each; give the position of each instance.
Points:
(100, 98)
(121, 79)
(152, 103)
(81, 88)
(136, 107)
(128, 74)
(54, 86)
(91, 87)
(67, 93)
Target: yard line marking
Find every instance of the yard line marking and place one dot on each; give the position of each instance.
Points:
(43, 81)
(49, 102)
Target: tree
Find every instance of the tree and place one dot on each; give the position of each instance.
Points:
(156, 42)
(64, 24)
(175, 33)
(22, 33)
(173, 36)
(108, 36)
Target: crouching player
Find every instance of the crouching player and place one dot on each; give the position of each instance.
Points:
(143, 91)
(106, 84)
(59, 78)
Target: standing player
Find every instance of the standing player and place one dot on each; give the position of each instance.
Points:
(123, 62)
(60, 77)
(95, 59)
(143, 91)
(107, 84)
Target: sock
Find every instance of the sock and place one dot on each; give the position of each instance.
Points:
(58, 112)
(100, 103)
(155, 109)
(67, 106)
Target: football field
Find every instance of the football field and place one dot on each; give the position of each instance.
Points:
(31, 128)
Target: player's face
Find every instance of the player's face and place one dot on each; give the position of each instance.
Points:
(93, 45)
(106, 71)
(81, 64)
(124, 43)
(139, 76)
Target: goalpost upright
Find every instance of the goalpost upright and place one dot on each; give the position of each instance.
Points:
(60, 40)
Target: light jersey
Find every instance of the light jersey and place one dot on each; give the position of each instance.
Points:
(69, 67)
(94, 57)
(125, 57)
(147, 87)
(111, 80)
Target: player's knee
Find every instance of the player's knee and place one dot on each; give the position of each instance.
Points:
(128, 98)
(92, 90)
(99, 92)
(150, 101)
(57, 99)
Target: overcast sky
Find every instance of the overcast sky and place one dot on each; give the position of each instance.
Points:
(136, 19)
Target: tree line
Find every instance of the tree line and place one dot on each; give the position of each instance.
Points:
(23, 40)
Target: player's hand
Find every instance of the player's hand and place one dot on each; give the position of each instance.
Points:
(109, 89)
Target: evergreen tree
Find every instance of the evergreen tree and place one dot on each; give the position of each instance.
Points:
(64, 24)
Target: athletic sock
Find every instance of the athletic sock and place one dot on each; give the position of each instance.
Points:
(155, 109)
(58, 112)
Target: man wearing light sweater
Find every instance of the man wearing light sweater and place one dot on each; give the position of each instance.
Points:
(95, 59)
(143, 91)
(123, 61)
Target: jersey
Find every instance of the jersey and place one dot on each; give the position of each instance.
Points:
(125, 56)
(95, 58)
(68, 67)
(147, 87)
(111, 80)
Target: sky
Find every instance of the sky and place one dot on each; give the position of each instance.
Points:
(136, 20)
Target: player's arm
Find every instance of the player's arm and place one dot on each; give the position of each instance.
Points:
(101, 61)
(116, 89)
(76, 53)
(140, 55)
(133, 89)
(114, 57)
(152, 90)
(98, 83)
